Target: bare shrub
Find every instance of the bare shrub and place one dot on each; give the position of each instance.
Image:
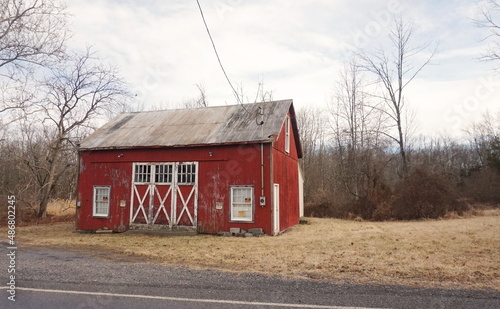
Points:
(366, 206)
(482, 185)
(321, 210)
(363, 207)
(424, 194)
(382, 212)
(327, 209)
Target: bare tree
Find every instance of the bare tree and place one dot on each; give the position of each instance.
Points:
(32, 33)
(359, 156)
(262, 95)
(394, 70)
(75, 94)
(490, 13)
(355, 125)
(15, 99)
(200, 101)
(483, 176)
(311, 122)
(484, 138)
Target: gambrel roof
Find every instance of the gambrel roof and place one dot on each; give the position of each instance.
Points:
(218, 125)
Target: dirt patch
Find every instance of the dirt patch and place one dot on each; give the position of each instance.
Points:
(455, 253)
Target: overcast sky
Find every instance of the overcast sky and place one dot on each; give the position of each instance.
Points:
(295, 47)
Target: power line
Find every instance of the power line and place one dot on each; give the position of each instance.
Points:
(218, 58)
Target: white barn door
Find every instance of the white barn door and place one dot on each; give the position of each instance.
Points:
(164, 194)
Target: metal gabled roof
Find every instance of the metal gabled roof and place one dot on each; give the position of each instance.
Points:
(189, 127)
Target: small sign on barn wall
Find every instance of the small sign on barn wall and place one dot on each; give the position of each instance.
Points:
(218, 205)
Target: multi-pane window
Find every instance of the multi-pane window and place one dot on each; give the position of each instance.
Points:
(101, 201)
(142, 173)
(287, 135)
(186, 173)
(163, 173)
(242, 203)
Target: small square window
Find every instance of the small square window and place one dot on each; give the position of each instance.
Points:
(101, 201)
(242, 203)
(142, 173)
(186, 173)
(163, 173)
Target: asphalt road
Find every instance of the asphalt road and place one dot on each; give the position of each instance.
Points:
(77, 279)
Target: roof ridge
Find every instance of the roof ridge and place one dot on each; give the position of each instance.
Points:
(207, 107)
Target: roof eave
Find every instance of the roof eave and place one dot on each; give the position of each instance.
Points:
(295, 129)
(81, 149)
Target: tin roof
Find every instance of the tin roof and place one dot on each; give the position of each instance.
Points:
(192, 127)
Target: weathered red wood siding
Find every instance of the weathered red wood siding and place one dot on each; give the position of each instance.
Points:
(96, 170)
(219, 168)
(286, 174)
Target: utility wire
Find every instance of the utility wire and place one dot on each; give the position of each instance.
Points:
(218, 58)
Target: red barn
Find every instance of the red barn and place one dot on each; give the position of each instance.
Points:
(210, 169)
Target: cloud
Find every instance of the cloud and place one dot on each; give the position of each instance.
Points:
(295, 47)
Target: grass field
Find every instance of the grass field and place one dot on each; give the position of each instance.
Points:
(460, 252)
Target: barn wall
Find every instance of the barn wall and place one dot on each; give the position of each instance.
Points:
(285, 173)
(241, 168)
(219, 168)
(114, 174)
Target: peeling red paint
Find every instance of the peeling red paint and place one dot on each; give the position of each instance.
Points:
(219, 168)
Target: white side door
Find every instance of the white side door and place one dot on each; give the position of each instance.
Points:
(276, 209)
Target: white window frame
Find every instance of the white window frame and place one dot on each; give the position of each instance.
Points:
(143, 173)
(287, 134)
(163, 173)
(106, 202)
(186, 173)
(234, 204)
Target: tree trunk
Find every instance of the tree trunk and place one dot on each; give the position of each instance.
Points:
(46, 194)
(402, 152)
(42, 210)
(51, 183)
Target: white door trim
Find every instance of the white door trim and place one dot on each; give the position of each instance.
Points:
(276, 209)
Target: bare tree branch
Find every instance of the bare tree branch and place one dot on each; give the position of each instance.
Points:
(75, 93)
(31, 32)
(490, 13)
(395, 73)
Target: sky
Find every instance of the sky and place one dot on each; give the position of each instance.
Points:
(295, 48)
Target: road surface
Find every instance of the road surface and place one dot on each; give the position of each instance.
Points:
(62, 278)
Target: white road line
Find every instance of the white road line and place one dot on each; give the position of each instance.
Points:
(214, 301)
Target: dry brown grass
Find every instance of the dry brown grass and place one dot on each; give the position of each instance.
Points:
(61, 207)
(462, 252)
(57, 211)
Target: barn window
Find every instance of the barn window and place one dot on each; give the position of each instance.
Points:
(163, 173)
(186, 173)
(142, 173)
(242, 203)
(101, 201)
(287, 134)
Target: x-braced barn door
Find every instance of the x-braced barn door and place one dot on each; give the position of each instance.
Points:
(165, 194)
